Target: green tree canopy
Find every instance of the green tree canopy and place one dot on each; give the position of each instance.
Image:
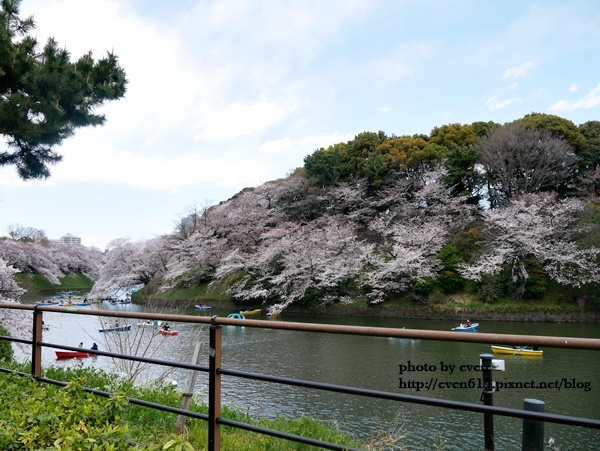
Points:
(400, 152)
(590, 154)
(44, 96)
(483, 128)
(454, 134)
(557, 126)
(328, 166)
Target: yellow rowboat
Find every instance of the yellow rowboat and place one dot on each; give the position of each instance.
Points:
(250, 312)
(517, 351)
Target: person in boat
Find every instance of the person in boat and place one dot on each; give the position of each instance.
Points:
(94, 347)
(468, 323)
(166, 327)
(81, 344)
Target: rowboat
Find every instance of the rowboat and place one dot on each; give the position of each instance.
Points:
(517, 351)
(73, 354)
(52, 302)
(117, 329)
(168, 332)
(464, 328)
(255, 311)
(202, 307)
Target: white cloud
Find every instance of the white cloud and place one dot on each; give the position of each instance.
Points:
(590, 100)
(384, 109)
(574, 87)
(519, 71)
(497, 101)
(240, 119)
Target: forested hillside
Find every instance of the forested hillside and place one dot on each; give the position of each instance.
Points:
(490, 210)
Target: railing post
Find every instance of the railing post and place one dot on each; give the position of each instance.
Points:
(214, 387)
(533, 430)
(488, 399)
(36, 349)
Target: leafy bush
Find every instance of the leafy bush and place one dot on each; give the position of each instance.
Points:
(6, 350)
(46, 415)
(50, 417)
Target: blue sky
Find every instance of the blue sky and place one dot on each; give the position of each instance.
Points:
(229, 94)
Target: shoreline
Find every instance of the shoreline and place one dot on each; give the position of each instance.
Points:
(458, 314)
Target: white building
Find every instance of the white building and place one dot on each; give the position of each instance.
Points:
(70, 239)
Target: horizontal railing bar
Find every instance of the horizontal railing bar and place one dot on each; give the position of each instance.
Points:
(478, 337)
(16, 340)
(172, 363)
(285, 435)
(465, 337)
(436, 402)
(9, 371)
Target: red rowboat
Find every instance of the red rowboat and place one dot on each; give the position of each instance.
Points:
(73, 354)
(168, 332)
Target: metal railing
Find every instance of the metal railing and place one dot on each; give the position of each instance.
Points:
(216, 372)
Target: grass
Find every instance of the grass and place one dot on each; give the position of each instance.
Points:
(154, 428)
(36, 284)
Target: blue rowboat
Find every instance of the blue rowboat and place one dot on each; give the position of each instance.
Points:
(464, 328)
(117, 329)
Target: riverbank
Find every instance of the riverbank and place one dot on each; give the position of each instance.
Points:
(557, 314)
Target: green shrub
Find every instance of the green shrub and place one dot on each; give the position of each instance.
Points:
(6, 350)
(50, 417)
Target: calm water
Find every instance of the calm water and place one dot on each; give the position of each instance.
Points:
(374, 363)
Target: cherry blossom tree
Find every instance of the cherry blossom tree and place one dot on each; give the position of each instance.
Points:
(52, 260)
(131, 263)
(8, 287)
(31, 258)
(18, 323)
(419, 219)
(329, 258)
(74, 259)
(193, 260)
(539, 227)
(319, 261)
